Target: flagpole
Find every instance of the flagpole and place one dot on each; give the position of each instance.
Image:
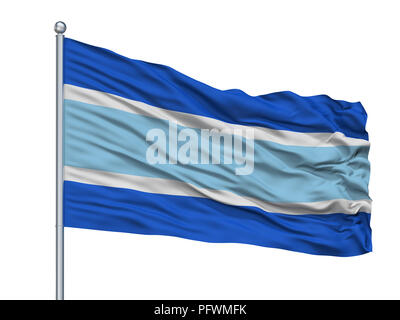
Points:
(59, 28)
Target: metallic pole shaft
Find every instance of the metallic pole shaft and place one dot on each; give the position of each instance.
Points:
(59, 28)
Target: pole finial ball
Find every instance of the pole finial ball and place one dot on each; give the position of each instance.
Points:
(60, 27)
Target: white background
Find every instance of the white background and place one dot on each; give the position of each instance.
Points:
(349, 50)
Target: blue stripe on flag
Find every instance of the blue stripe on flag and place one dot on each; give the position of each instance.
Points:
(124, 210)
(161, 86)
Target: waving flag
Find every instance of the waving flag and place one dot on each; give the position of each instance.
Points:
(149, 150)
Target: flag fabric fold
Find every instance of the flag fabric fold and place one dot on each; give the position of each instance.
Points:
(149, 150)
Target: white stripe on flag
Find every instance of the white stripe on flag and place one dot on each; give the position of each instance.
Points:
(174, 187)
(284, 137)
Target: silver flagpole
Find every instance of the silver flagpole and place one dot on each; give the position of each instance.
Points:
(59, 28)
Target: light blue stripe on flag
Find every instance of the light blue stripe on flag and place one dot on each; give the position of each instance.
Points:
(112, 140)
